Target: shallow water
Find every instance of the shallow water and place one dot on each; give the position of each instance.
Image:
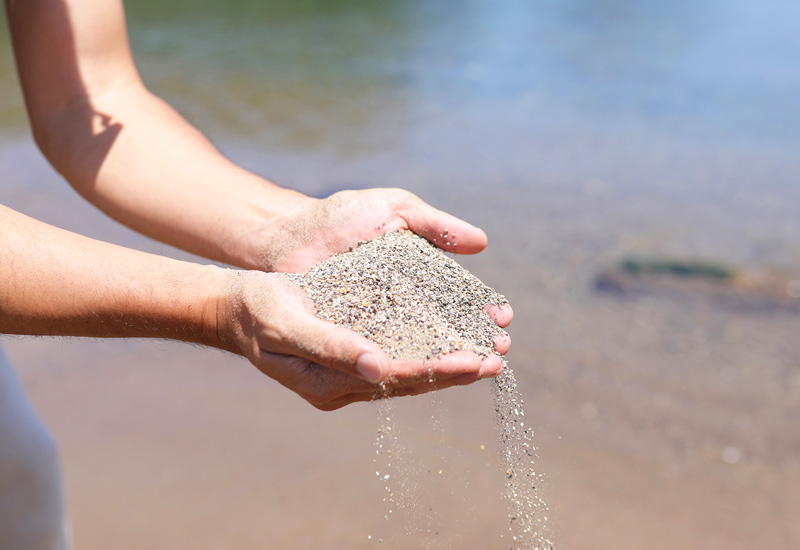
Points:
(574, 133)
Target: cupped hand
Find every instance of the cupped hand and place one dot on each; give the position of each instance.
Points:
(319, 228)
(272, 323)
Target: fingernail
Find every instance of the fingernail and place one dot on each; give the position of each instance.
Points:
(369, 368)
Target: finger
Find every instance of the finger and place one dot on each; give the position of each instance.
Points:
(337, 348)
(408, 371)
(328, 390)
(491, 366)
(444, 230)
(502, 342)
(502, 314)
(387, 392)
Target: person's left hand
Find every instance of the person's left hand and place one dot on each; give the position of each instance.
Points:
(314, 231)
(271, 322)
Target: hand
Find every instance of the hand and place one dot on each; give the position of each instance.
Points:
(271, 322)
(315, 230)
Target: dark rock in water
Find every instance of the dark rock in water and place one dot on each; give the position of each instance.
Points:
(749, 290)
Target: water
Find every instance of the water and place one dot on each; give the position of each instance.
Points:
(575, 133)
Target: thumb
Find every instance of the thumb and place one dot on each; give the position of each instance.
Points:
(338, 348)
(444, 230)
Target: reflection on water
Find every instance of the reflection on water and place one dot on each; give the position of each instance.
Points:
(359, 74)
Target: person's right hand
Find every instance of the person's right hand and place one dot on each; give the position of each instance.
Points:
(271, 322)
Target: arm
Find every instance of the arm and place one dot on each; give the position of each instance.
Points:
(58, 283)
(124, 149)
(53, 282)
(138, 160)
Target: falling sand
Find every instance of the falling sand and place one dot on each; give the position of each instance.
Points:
(416, 303)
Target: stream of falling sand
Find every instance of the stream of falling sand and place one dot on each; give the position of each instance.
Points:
(403, 293)
(529, 526)
(402, 479)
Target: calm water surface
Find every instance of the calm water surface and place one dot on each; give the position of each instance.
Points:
(574, 132)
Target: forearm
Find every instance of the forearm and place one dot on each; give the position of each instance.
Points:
(53, 282)
(125, 150)
(163, 178)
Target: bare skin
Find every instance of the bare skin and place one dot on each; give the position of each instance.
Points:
(332, 225)
(139, 161)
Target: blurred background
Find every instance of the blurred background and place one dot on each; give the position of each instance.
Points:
(576, 133)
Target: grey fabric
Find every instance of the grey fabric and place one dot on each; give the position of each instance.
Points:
(31, 502)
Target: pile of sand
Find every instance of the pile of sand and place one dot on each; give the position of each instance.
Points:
(403, 293)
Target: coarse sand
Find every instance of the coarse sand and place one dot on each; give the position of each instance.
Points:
(403, 293)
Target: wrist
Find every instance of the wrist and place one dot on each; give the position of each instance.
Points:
(269, 210)
(278, 230)
(218, 288)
